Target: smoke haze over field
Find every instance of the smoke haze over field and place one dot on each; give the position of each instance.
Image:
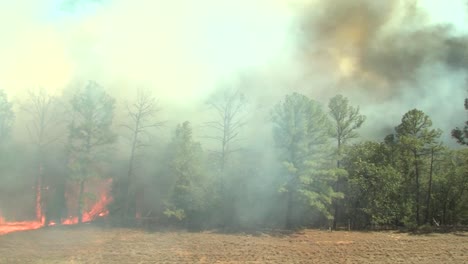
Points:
(230, 134)
(387, 57)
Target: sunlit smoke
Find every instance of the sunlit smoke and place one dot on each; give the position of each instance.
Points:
(387, 57)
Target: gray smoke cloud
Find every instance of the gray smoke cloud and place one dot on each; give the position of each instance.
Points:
(389, 57)
(386, 56)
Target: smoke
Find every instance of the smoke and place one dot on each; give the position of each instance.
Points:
(390, 57)
(387, 57)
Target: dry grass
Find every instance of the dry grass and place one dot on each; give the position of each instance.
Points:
(90, 244)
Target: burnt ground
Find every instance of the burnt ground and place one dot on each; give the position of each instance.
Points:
(91, 244)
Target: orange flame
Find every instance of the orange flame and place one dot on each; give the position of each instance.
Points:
(99, 209)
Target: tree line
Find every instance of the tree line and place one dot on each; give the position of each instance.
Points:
(317, 172)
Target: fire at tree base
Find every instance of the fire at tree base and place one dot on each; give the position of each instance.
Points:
(95, 204)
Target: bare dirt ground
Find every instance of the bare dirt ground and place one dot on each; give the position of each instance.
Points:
(91, 244)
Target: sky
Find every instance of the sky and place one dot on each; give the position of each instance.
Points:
(185, 45)
(387, 57)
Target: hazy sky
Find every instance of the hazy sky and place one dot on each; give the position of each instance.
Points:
(184, 49)
(172, 46)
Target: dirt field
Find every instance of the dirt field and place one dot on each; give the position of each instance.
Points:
(91, 244)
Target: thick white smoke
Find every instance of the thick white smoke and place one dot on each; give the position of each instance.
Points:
(184, 50)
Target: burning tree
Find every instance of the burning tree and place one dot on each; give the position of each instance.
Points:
(90, 135)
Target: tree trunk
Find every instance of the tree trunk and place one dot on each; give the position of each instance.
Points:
(289, 224)
(130, 178)
(80, 201)
(39, 187)
(417, 200)
(139, 200)
(39, 212)
(82, 181)
(128, 197)
(429, 192)
(57, 211)
(336, 207)
(337, 186)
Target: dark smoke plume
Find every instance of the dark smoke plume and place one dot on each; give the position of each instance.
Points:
(389, 53)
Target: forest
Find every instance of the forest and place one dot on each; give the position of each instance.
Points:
(314, 171)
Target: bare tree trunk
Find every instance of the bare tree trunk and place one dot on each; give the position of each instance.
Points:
(141, 113)
(38, 185)
(289, 223)
(337, 186)
(130, 176)
(417, 194)
(41, 107)
(139, 200)
(40, 199)
(80, 200)
(429, 192)
(229, 106)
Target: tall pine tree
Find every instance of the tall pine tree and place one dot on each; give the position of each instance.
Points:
(90, 135)
(416, 137)
(346, 119)
(302, 133)
(186, 170)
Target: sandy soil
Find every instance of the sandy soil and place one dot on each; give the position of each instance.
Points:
(91, 244)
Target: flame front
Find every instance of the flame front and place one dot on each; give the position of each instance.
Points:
(98, 209)
(8, 227)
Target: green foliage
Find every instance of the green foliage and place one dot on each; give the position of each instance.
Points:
(409, 179)
(301, 132)
(374, 184)
(396, 182)
(450, 194)
(186, 170)
(90, 135)
(415, 133)
(172, 212)
(346, 118)
(461, 134)
(415, 138)
(90, 131)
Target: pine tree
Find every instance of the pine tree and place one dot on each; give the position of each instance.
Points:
(415, 138)
(90, 135)
(374, 186)
(461, 134)
(302, 133)
(346, 119)
(185, 167)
